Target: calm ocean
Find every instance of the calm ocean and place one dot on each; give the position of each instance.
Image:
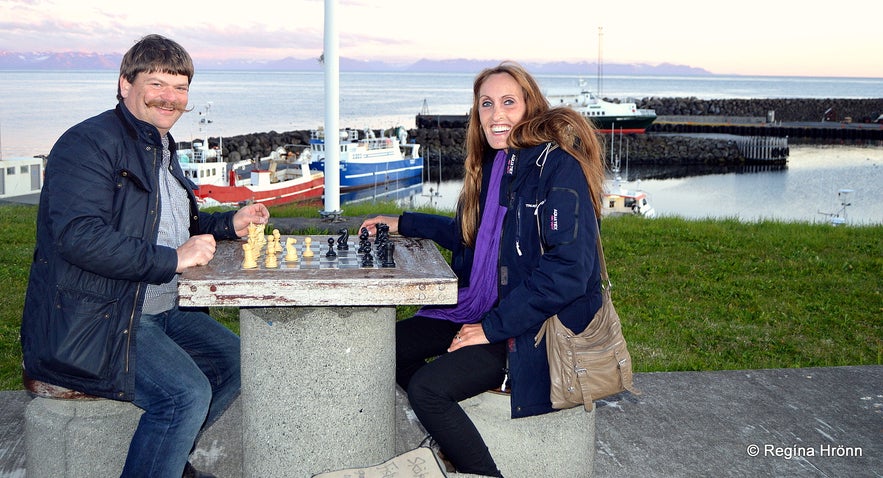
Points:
(38, 106)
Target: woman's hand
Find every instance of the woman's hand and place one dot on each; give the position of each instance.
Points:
(469, 334)
(371, 224)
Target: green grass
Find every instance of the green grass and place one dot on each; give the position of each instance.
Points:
(692, 294)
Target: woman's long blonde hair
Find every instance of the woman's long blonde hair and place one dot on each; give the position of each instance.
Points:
(469, 202)
(540, 124)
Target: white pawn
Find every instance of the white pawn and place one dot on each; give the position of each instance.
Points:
(308, 251)
(276, 239)
(270, 260)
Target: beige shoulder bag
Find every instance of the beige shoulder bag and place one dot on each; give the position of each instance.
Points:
(594, 363)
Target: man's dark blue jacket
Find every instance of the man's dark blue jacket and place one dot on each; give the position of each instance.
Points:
(96, 252)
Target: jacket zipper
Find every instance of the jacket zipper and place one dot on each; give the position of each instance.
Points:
(138, 289)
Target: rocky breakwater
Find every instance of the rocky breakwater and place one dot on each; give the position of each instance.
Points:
(257, 145)
(443, 148)
(447, 145)
(864, 110)
(444, 152)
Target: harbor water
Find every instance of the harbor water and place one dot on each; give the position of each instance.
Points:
(804, 190)
(36, 107)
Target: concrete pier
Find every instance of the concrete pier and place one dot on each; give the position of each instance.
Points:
(826, 419)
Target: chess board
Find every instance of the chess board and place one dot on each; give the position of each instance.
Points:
(274, 251)
(420, 276)
(319, 257)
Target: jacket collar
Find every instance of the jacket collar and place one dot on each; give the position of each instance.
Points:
(142, 130)
(520, 161)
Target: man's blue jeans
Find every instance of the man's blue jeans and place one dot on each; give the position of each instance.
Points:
(186, 374)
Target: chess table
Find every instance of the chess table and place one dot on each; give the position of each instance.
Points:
(420, 276)
(318, 348)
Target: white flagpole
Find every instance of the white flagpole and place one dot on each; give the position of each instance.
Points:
(332, 112)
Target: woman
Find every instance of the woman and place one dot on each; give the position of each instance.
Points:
(532, 174)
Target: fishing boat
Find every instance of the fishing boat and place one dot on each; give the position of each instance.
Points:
(280, 178)
(607, 116)
(838, 218)
(367, 160)
(616, 198)
(619, 201)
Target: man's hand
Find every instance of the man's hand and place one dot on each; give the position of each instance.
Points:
(197, 251)
(255, 213)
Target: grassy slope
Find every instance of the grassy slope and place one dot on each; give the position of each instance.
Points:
(693, 295)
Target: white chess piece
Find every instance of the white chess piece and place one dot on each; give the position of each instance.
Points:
(308, 251)
(291, 250)
(248, 261)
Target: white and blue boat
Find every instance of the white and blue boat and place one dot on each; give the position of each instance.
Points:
(370, 161)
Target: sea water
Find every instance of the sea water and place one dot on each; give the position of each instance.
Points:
(804, 190)
(36, 107)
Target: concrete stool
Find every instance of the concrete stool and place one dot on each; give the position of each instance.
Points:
(69, 434)
(559, 444)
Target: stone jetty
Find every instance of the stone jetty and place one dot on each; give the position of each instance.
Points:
(664, 143)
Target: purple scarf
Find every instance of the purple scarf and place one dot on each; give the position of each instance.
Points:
(478, 298)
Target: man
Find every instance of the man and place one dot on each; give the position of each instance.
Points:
(117, 222)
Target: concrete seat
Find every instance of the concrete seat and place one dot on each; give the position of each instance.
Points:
(559, 444)
(72, 434)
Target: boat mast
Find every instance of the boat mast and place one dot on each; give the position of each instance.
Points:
(600, 73)
(202, 156)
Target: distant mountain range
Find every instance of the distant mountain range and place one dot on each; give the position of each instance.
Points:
(101, 61)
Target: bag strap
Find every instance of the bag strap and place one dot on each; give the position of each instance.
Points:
(541, 162)
(605, 279)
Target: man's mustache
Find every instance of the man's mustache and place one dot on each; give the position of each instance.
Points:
(169, 105)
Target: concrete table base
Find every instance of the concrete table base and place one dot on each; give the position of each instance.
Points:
(318, 388)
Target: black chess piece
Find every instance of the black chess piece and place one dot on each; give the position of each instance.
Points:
(343, 239)
(330, 252)
(381, 252)
(364, 243)
(382, 235)
(368, 260)
(388, 260)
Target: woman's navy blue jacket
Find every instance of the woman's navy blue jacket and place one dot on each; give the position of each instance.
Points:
(562, 277)
(96, 251)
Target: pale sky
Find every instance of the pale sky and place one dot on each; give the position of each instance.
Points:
(746, 37)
